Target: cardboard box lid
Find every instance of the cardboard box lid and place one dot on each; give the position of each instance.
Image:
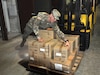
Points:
(51, 42)
(58, 46)
(46, 34)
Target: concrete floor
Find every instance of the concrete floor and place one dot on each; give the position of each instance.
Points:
(11, 56)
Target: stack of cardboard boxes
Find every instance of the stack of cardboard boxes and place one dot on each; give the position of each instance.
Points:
(52, 53)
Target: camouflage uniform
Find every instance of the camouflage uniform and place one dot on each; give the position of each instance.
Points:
(40, 22)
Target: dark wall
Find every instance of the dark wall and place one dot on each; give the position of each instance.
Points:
(25, 9)
(42, 5)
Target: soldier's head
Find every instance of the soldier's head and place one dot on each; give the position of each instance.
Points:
(55, 14)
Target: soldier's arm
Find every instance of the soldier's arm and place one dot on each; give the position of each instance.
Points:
(59, 32)
(36, 27)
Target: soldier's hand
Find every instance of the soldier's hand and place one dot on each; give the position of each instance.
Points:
(67, 43)
(40, 39)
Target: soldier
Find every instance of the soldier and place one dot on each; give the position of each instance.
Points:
(43, 20)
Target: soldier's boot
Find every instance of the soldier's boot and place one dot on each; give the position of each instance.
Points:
(25, 36)
(23, 42)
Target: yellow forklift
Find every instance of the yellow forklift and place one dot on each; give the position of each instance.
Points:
(79, 18)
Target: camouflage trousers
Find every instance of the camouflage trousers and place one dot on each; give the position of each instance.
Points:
(27, 32)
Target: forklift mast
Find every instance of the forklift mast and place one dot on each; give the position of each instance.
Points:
(78, 18)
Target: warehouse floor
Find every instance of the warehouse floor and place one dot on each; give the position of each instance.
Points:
(11, 56)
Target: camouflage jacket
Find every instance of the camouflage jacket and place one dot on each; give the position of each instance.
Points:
(41, 22)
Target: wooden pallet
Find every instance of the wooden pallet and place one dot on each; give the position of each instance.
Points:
(46, 71)
(77, 61)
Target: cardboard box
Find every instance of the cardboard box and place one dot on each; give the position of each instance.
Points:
(60, 66)
(49, 46)
(75, 38)
(42, 47)
(64, 66)
(40, 60)
(57, 51)
(74, 41)
(45, 62)
(30, 46)
(71, 59)
(65, 52)
(46, 47)
(61, 52)
(46, 34)
(37, 47)
(72, 45)
(41, 53)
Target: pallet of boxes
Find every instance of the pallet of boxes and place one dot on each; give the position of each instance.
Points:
(51, 54)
